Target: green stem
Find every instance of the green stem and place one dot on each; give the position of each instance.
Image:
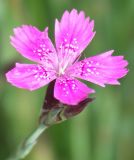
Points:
(29, 143)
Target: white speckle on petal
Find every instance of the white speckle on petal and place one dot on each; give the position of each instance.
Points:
(39, 50)
(97, 64)
(65, 40)
(89, 70)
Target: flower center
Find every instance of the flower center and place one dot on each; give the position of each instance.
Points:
(67, 54)
(62, 68)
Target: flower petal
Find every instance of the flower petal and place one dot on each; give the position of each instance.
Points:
(33, 44)
(70, 91)
(30, 76)
(101, 69)
(73, 33)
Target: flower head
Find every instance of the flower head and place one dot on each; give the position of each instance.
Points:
(72, 35)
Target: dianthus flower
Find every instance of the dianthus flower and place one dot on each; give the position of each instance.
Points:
(72, 35)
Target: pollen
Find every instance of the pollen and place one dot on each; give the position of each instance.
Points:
(42, 50)
(40, 73)
(68, 85)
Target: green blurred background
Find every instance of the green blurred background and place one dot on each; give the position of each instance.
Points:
(105, 129)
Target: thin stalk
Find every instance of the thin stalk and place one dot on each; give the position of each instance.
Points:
(29, 143)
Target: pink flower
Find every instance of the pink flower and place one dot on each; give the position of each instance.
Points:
(72, 35)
